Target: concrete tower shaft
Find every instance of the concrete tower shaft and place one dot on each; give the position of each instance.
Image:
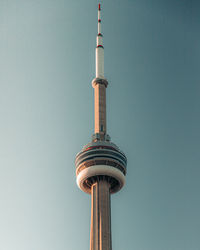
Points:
(100, 86)
(100, 232)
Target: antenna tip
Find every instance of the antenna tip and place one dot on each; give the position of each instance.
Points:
(99, 6)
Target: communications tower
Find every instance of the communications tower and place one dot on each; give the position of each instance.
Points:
(100, 165)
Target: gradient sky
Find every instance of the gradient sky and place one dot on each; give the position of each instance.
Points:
(152, 61)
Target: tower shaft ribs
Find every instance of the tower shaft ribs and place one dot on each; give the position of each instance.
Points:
(100, 234)
(100, 108)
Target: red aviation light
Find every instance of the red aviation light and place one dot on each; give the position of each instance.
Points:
(99, 6)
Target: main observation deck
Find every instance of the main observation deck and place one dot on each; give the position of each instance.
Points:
(100, 159)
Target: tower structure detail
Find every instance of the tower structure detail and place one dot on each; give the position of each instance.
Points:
(100, 165)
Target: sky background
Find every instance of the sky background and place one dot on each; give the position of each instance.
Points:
(152, 61)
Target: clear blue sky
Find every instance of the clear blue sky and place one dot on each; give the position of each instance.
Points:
(152, 61)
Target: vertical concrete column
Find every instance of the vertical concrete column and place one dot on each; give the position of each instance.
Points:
(100, 234)
(100, 108)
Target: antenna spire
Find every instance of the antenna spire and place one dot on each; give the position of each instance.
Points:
(99, 49)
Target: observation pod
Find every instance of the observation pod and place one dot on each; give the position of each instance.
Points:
(100, 160)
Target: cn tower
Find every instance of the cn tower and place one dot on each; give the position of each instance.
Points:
(100, 165)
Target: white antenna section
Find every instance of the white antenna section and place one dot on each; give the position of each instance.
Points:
(99, 49)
